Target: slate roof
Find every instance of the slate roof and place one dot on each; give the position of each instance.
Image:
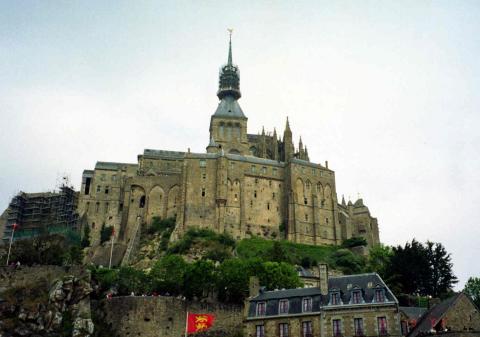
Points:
(345, 284)
(229, 107)
(413, 312)
(103, 165)
(164, 154)
(436, 313)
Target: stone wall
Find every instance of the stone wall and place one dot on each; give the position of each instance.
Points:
(164, 316)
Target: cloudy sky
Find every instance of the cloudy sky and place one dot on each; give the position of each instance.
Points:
(387, 92)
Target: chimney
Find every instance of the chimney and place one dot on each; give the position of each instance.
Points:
(254, 287)
(323, 278)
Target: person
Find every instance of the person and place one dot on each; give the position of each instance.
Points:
(132, 294)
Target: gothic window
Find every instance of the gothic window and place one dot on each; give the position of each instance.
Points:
(141, 204)
(221, 130)
(307, 184)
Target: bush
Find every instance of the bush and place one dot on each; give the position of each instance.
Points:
(354, 242)
(161, 225)
(105, 233)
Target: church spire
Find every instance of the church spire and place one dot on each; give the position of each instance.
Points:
(229, 82)
(230, 31)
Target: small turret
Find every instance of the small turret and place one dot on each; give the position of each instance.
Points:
(212, 146)
(306, 154)
(287, 142)
(275, 145)
(301, 153)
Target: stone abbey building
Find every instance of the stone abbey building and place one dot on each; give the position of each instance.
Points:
(244, 184)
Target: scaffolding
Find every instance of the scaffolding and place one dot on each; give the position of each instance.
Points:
(38, 213)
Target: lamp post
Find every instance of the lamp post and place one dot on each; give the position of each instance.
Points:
(14, 227)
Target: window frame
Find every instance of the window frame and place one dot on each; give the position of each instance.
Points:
(380, 331)
(337, 329)
(307, 329)
(281, 305)
(361, 331)
(259, 330)
(310, 305)
(283, 329)
(263, 312)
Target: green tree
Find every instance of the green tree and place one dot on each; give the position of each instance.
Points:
(348, 262)
(232, 282)
(277, 275)
(472, 289)
(278, 253)
(379, 260)
(86, 236)
(168, 274)
(130, 279)
(200, 279)
(441, 278)
(105, 233)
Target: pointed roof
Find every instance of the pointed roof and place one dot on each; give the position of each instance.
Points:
(229, 107)
(229, 82)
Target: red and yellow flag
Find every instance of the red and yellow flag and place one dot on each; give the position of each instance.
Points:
(199, 322)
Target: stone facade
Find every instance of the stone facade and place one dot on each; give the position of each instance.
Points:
(245, 184)
(350, 305)
(165, 316)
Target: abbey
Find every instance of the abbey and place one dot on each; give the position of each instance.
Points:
(244, 184)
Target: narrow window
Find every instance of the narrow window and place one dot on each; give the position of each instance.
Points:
(264, 170)
(274, 171)
(253, 169)
(254, 194)
(87, 207)
(306, 217)
(236, 197)
(307, 185)
(107, 189)
(93, 225)
(283, 307)
(269, 183)
(204, 176)
(106, 207)
(273, 195)
(261, 306)
(268, 205)
(256, 181)
(98, 188)
(337, 327)
(120, 207)
(141, 204)
(251, 203)
(379, 295)
(356, 297)
(102, 177)
(326, 221)
(358, 326)
(382, 326)
(88, 181)
(260, 331)
(203, 192)
(283, 329)
(335, 298)
(307, 304)
(114, 177)
(305, 201)
(203, 163)
(97, 207)
(307, 330)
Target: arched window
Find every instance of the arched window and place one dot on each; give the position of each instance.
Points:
(142, 202)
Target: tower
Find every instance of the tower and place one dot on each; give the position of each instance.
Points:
(288, 143)
(228, 125)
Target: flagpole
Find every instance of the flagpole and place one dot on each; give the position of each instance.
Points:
(10, 245)
(186, 324)
(111, 251)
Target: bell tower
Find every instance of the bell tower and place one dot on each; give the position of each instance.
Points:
(228, 125)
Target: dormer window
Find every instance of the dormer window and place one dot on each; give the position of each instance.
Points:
(283, 307)
(261, 308)
(356, 297)
(380, 295)
(307, 304)
(335, 298)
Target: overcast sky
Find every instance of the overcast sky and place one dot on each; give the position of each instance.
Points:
(387, 92)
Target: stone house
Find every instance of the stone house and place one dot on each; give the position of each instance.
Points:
(245, 184)
(350, 305)
(457, 314)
